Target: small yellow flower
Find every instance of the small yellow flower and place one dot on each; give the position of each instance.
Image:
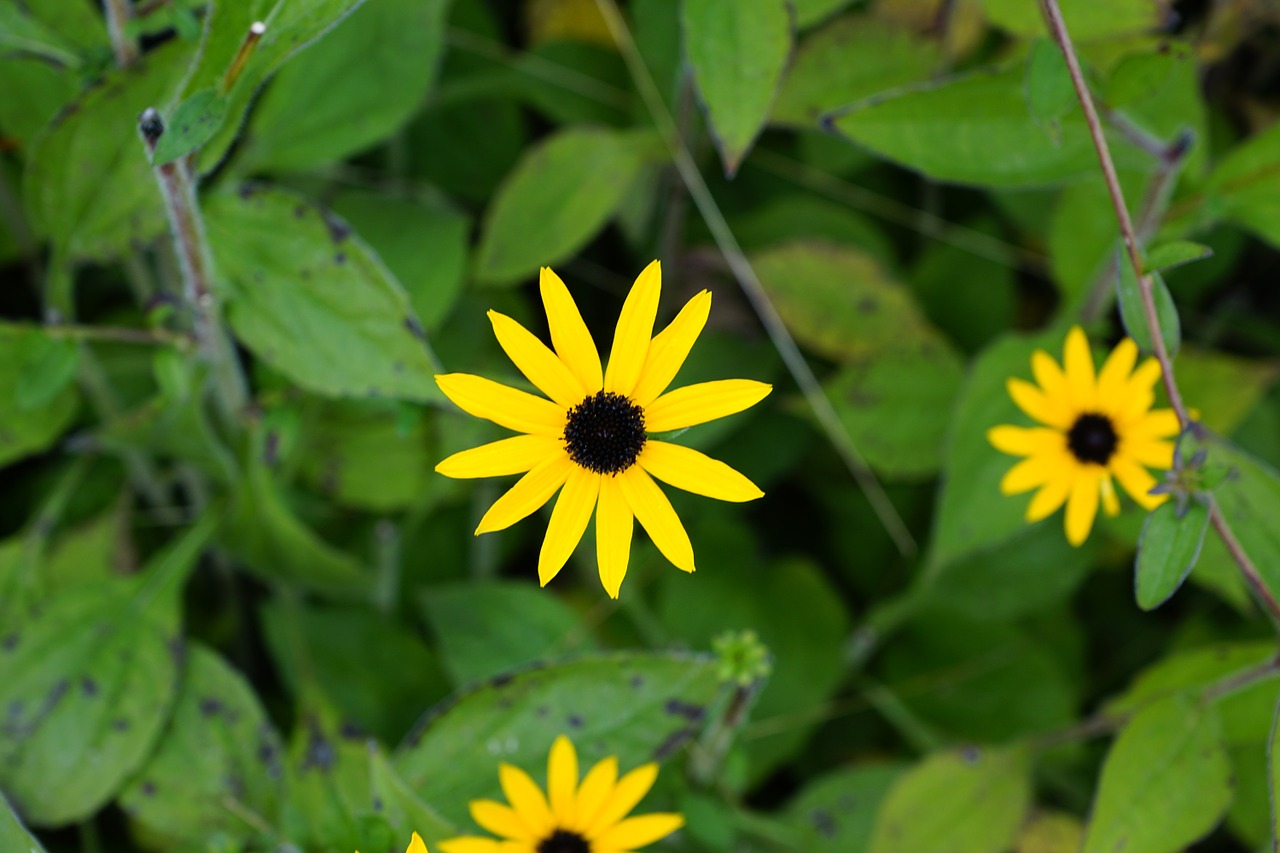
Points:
(590, 440)
(1095, 427)
(416, 845)
(573, 818)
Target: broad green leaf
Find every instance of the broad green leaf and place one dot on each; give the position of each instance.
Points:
(799, 215)
(1250, 501)
(809, 12)
(1166, 781)
(371, 74)
(1050, 93)
(836, 813)
(1224, 388)
(89, 553)
(1273, 775)
(1174, 254)
(637, 706)
(34, 92)
(178, 429)
(328, 648)
(1244, 186)
(736, 53)
(23, 33)
(193, 123)
(1159, 90)
(13, 835)
(967, 801)
(890, 406)
(1133, 312)
(839, 301)
(32, 369)
(1083, 232)
(1167, 550)
(88, 185)
(311, 299)
(560, 194)
(424, 245)
(67, 18)
(219, 758)
(851, 58)
(974, 129)
(1051, 832)
(1085, 19)
(263, 532)
(474, 646)
(1249, 817)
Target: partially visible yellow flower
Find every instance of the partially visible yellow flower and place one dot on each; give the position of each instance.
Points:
(416, 845)
(1095, 427)
(590, 817)
(590, 440)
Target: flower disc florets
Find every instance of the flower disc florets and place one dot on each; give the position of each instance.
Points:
(564, 841)
(605, 433)
(1092, 438)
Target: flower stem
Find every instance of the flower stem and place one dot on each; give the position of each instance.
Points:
(1058, 30)
(124, 45)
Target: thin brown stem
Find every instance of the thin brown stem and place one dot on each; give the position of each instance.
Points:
(124, 45)
(1247, 568)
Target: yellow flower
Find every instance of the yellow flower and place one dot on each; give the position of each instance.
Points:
(590, 439)
(573, 818)
(416, 845)
(1095, 427)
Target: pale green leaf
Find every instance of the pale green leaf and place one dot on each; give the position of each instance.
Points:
(193, 123)
(32, 369)
(13, 835)
(1223, 388)
(1133, 311)
(1167, 551)
(1166, 256)
(836, 813)
(1085, 19)
(1245, 185)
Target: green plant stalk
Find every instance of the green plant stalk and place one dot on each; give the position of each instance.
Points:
(118, 16)
(1058, 30)
(196, 262)
(725, 240)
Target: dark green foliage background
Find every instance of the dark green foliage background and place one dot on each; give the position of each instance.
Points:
(263, 624)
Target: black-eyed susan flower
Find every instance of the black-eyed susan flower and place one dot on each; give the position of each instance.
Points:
(590, 438)
(572, 817)
(1095, 427)
(416, 845)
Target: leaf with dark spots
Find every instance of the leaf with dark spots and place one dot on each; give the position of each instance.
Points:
(9, 643)
(319, 754)
(88, 686)
(575, 721)
(210, 706)
(673, 742)
(689, 711)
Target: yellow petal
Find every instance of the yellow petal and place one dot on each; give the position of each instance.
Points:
(595, 790)
(1154, 454)
(1161, 423)
(669, 349)
(657, 517)
(613, 535)
(1082, 507)
(1029, 474)
(1051, 496)
(526, 798)
(693, 471)
(636, 832)
(568, 522)
(508, 407)
(500, 820)
(635, 327)
(1136, 481)
(1110, 503)
(1051, 379)
(539, 365)
(569, 334)
(562, 779)
(1037, 404)
(416, 845)
(625, 796)
(470, 844)
(1026, 441)
(513, 455)
(1114, 376)
(530, 492)
(1077, 361)
(705, 401)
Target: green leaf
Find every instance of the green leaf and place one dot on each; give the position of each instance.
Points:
(218, 749)
(990, 140)
(13, 835)
(1244, 186)
(809, 12)
(839, 302)
(32, 369)
(1085, 19)
(1273, 774)
(638, 706)
(1166, 781)
(1224, 388)
(560, 194)
(89, 680)
(1129, 293)
(1174, 254)
(88, 184)
(67, 18)
(799, 215)
(89, 553)
(312, 300)
(1167, 550)
(179, 429)
(1050, 92)
(736, 54)
(34, 92)
(23, 33)
(967, 801)
(474, 646)
(851, 58)
(1250, 501)
(372, 73)
(836, 813)
(193, 123)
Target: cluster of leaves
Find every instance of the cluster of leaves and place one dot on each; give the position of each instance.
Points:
(230, 583)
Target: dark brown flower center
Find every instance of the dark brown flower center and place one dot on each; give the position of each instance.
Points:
(1092, 438)
(605, 434)
(564, 841)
